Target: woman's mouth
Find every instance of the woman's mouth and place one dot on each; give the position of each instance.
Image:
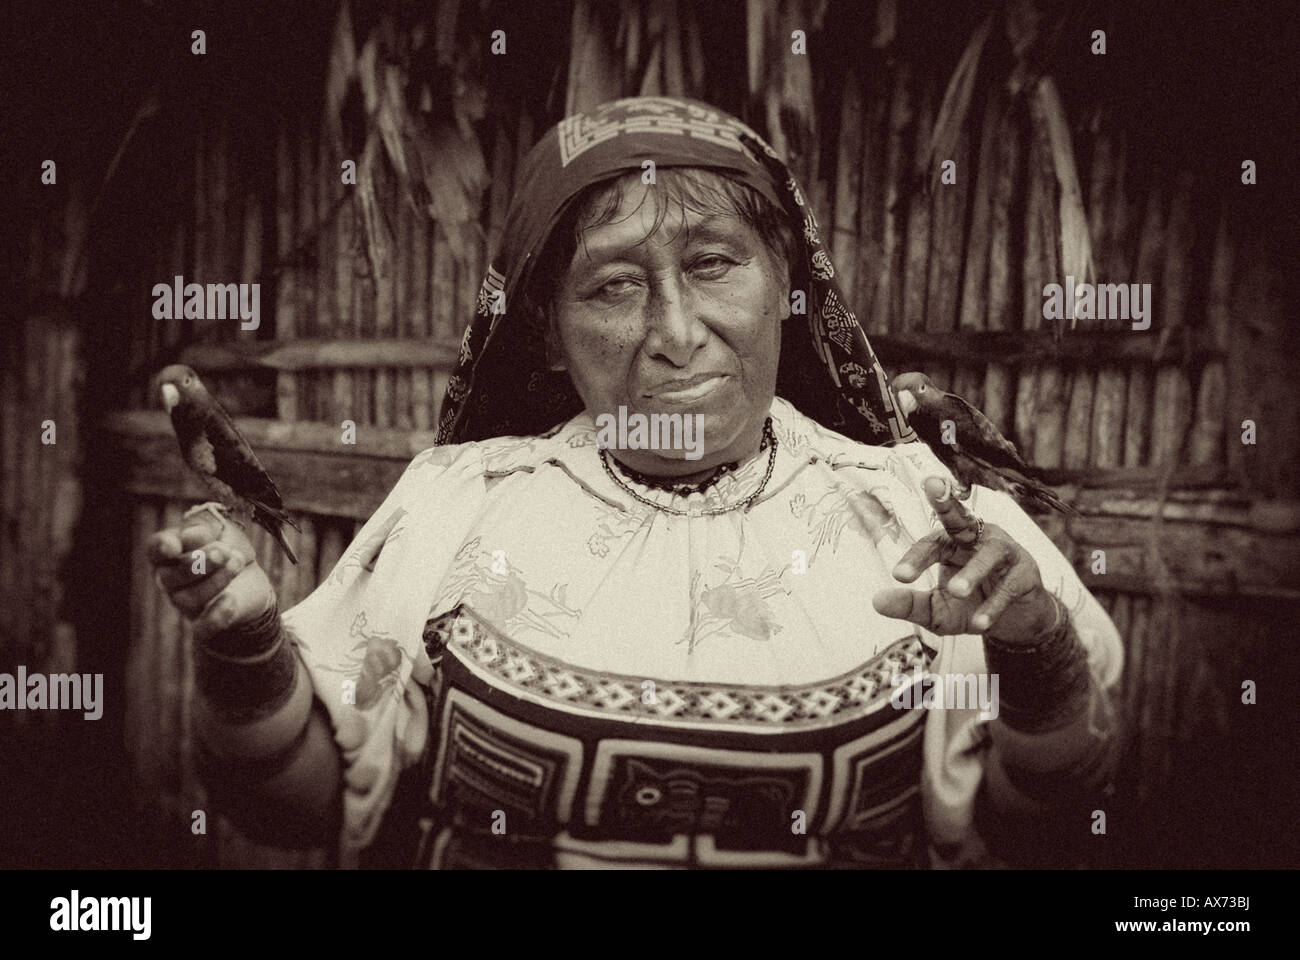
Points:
(689, 390)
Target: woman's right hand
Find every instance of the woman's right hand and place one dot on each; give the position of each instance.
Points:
(209, 571)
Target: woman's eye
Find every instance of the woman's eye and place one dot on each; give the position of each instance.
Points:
(615, 288)
(712, 266)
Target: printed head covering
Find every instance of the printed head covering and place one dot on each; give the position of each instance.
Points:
(502, 385)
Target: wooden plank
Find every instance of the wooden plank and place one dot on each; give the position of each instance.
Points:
(333, 542)
(1078, 419)
(848, 183)
(307, 549)
(1101, 189)
(974, 298)
(314, 472)
(499, 187)
(1026, 410)
(322, 354)
(401, 318)
(1212, 396)
(1049, 418)
(1211, 402)
(948, 242)
(1136, 417)
(1108, 417)
(871, 190)
(968, 383)
(307, 156)
(887, 300)
(1197, 558)
(917, 245)
(275, 434)
(286, 300)
(999, 396)
(1140, 617)
(446, 326)
(1002, 303)
(1017, 348)
(1142, 478)
(1170, 415)
(1040, 264)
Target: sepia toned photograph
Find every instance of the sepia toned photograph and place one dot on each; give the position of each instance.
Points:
(835, 435)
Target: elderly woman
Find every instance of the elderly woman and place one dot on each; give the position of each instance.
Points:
(558, 644)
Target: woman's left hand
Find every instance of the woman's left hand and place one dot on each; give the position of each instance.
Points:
(988, 583)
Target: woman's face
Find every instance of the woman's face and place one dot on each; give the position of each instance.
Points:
(683, 320)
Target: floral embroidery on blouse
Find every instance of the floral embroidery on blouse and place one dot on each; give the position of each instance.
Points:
(844, 508)
(495, 588)
(371, 664)
(737, 605)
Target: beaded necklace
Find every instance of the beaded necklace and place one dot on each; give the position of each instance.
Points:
(680, 489)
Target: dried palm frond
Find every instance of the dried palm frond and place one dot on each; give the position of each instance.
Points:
(1032, 42)
(417, 148)
(886, 25)
(1075, 238)
(341, 74)
(595, 66)
(957, 98)
(757, 13)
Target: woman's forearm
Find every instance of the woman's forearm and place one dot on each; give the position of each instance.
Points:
(1055, 734)
(267, 750)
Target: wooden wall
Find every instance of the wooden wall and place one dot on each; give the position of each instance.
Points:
(1142, 428)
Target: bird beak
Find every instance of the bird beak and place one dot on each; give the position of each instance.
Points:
(170, 396)
(906, 402)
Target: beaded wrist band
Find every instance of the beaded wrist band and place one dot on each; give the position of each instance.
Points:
(248, 639)
(246, 686)
(1041, 683)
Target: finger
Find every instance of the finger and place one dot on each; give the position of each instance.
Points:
(198, 565)
(192, 600)
(921, 555)
(903, 604)
(201, 528)
(956, 519)
(989, 556)
(247, 596)
(164, 546)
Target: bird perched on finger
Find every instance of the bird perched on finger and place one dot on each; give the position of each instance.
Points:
(213, 448)
(968, 443)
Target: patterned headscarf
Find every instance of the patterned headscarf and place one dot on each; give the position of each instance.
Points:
(502, 385)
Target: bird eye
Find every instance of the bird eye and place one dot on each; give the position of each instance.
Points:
(921, 389)
(187, 379)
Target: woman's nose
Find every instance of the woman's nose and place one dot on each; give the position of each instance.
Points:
(675, 330)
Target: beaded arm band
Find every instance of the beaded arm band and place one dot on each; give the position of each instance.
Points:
(248, 671)
(1043, 685)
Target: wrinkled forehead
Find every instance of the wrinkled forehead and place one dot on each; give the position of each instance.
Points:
(678, 206)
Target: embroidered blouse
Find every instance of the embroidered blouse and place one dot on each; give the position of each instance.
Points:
(579, 679)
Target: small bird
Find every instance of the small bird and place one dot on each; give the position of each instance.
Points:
(214, 449)
(968, 444)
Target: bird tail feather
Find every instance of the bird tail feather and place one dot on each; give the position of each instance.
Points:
(1033, 490)
(277, 512)
(1021, 485)
(273, 520)
(284, 545)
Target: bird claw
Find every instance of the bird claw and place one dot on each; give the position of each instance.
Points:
(952, 488)
(218, 510)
